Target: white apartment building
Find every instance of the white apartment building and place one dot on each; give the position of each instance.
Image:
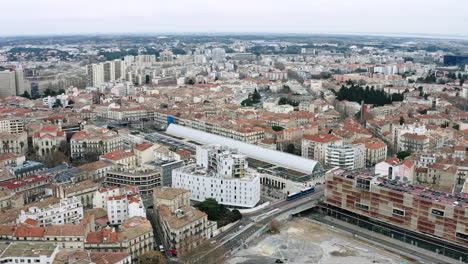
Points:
(68, 211)
(101, 196)
(49, 101)
(95, 74)
(100, 73)
(120, 203)
(348, 156)
(222, 174)
(315, 146)
(120, 208)
(7, 83)
(11, 82)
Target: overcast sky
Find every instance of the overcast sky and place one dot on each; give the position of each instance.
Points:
(21, 17)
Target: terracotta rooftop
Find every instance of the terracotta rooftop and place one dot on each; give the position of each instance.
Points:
(65, 230)
(322, 138)
(118, 155)
(167, 193)
(144, 146)
(191, 214)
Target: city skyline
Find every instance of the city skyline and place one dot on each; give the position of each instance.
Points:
(398, 18)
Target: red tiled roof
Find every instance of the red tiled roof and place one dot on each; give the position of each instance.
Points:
(436, 166)
(108, 257)
(17, 183)
(414, 136)
(322, 138)
(7, 156)
(144, 146)
(26, 231)
(118, 154)
(49, 128)
(30, 222)
(7, 230)
(65, 230)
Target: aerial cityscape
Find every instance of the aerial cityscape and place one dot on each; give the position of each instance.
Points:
(264, 136)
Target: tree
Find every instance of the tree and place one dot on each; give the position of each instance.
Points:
(61, 91)
(256, 96)
(191, 82)
(151, 257)
(402, 121)
(64, 147)
(235, 215)
(280, 66)
(26, 95)
(70, 102)
(403, 154)
(57, 103)
(456, 126)
(247, 102)
(218, 212)
(277, 128)
(49, 92)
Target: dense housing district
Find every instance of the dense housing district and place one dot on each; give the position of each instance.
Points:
(185, 149)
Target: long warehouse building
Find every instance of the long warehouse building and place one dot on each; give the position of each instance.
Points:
(268, 155)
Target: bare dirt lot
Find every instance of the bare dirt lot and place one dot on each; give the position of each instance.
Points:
(301, 242)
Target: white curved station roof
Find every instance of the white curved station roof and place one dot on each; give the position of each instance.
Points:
(272, 156)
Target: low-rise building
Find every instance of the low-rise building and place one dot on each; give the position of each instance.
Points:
(183, 226)
(68, 212)
(439, 176)
(413, 143)
(315, 146)
(81, 256)
(48, 139)
(13, 143)
(31, 187)
(135, 236)
(10, 159)
(98, 169)
(28, 252)
(145, 179)
(121, 158)
(94, 140)
(397, 170)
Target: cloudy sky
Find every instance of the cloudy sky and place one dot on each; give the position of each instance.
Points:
(448, 17)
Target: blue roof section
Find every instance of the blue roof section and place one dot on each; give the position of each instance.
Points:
(26, 167)
(62, 173)
(272, 156)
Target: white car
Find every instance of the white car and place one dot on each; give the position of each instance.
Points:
(161, 248)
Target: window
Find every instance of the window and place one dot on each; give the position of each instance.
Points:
(362, 206)
(461, 235)
(398, 212)
(437, 212)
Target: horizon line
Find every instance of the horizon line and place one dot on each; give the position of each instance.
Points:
(240, 33)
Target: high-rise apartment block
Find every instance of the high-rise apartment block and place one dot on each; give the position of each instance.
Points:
(99, 73)
(11, 82)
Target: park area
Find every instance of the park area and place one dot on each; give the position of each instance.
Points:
(301, 242)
